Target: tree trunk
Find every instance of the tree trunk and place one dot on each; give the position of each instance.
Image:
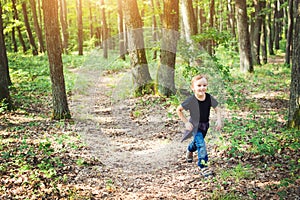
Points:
(91, 19)
(121, 31)
(80, 27)
(16, 17)
(140, 71)
(64, 24)
(188, 18)
(104, 30)
(256, 32)
(231, 19)
(246, 64)
(13, 38)
(289, 34)
(294, 108)
(154, 28)
(170, 36)
(278, 18)
(270, 30)
(4, 75)
(37, 27)
(53, 41)
(211, 25)
(29, 32)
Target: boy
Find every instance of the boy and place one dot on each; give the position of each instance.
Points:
(199, 105)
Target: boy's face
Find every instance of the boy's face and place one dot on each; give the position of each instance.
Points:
(199, 87)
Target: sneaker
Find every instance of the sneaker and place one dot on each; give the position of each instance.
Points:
(189, 156)
(206, 172)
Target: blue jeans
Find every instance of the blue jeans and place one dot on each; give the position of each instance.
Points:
(198, 144)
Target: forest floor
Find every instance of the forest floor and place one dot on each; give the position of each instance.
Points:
(131, 150)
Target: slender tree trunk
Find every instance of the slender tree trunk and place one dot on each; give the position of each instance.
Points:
(294, 108)
(154, 28)
(80, 26)
(53, 41)
(263, 42)
(270, 30)
(104, 30)
(29, 32)
(189, 20)
(64, 24)
(211, 25)
(140, 71)
(37, 27)
(278, 18)
(246, 64)
(289, 38)
(91, 19)
(4, 75)
(170, 36)
(121, 30)
(16, 17)
(231, 19)
(256, 32)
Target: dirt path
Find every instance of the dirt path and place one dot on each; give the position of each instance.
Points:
(138, 142)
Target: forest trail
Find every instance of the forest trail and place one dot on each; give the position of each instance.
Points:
(137, 141)
(138, 144)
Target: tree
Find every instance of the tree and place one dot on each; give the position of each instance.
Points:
(140, 71)
(29, 32)
(289, 33)
(104, 30)
(53, 42)
(4, 83)
(121, 30)
(166, 71)
(188, 18)
(243, 34)
(16, 18)
(64, 24)
(256, 26)
(79, 27)
(294, 105)
(37, 27)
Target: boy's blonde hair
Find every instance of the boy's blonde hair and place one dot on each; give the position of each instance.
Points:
(198, 77)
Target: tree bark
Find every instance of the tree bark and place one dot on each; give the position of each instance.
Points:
(37, 27)
(4, 73)
(278, 19)
(64, 24)
(256, 26)
(270, 30)
(29, 32)
(104, 30)
(16, 17)
(289, 38)
(294, 107)
(53, 42)
(188, 18)
(154, 28)
(170, 36)
(121, 31)
(246, 64)
(140, 71)
(80, 27)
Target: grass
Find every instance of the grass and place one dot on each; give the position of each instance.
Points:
(254, 136)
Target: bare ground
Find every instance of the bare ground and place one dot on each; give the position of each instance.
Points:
(138, 143)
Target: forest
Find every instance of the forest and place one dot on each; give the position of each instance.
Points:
(89, 91)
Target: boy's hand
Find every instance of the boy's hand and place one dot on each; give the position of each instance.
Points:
(218, 125)
(189, 126)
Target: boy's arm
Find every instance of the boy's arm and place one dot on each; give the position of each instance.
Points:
(219, 121)
(188, 125)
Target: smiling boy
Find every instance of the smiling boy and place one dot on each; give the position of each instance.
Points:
(199, 105)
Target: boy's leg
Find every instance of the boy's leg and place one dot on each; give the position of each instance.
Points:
(201, 148)
(189, 152)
